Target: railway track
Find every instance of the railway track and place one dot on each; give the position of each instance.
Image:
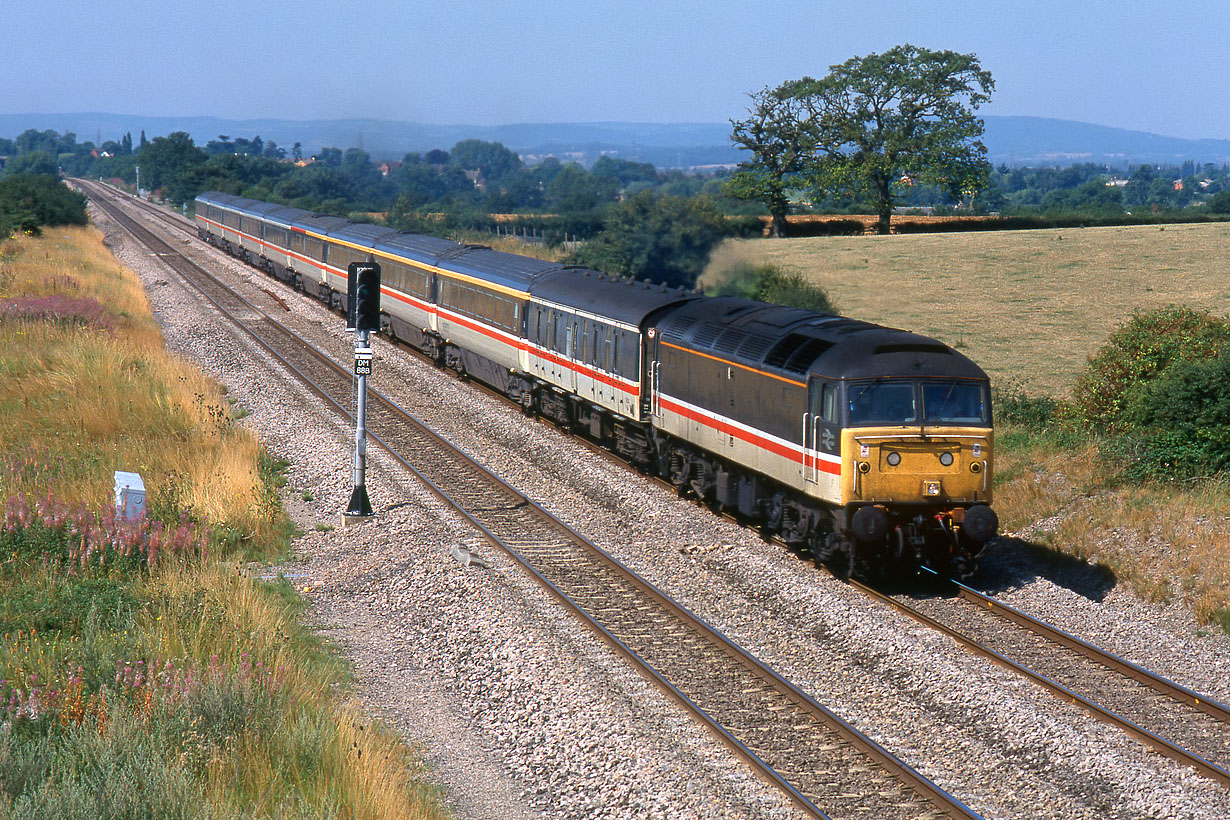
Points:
(1173, 720)
(824, 765)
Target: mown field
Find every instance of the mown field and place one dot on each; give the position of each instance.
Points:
(1029, 306)
(145, 669)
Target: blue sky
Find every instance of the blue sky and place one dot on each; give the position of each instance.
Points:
(1150, 66)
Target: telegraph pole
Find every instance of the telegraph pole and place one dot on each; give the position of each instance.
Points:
(363, 316)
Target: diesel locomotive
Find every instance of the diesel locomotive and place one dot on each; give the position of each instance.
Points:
(870, 447)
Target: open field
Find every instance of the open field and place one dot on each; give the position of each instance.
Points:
(1030, 306)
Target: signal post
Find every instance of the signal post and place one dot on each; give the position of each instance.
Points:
(362, 317)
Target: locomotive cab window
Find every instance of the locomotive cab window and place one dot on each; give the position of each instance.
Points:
(954, 401)
(824, 402)
(909, 401)
(884, 401)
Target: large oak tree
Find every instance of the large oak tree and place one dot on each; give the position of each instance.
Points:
(906, 115)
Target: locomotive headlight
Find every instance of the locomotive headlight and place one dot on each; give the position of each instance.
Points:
(931, 488)
(893, 459)
(976, 467)
(864, 467)
(946, 459)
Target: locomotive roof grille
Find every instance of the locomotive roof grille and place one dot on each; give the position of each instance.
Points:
(677, 328)
(912, 347)
(755, 346)
(730, 341)
(782, 351)
(707, 335)
(801, 359)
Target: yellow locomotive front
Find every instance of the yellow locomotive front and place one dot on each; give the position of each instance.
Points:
(917, 456)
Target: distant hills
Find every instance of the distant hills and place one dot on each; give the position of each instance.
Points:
(1014, 141)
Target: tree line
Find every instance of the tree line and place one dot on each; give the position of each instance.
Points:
(876, 134)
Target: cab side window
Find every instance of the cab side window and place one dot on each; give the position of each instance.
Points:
(825, 404)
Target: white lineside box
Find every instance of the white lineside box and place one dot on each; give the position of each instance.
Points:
(129, 495)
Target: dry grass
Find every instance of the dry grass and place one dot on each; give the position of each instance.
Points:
(1029, 305)
(344, 760)
(114, 398)
(1167, 542)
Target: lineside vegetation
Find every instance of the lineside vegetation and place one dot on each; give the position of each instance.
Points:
(1133, 469)
(144, 670)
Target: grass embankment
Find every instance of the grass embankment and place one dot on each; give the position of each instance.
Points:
(1166, 541)
(144, 672)
(1031, 307)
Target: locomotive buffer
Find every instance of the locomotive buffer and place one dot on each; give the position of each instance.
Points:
(362, 317)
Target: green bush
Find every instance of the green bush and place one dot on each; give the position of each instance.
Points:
(1158, 391)
(1185, 418)
(1140, 352)
(827, 227)
(1014, 406)
(659, 238)
(1219, 203)
(29, 201)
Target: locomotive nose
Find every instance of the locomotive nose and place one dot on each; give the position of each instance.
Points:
(980, 522)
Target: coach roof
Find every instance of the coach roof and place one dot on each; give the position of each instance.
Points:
(418, 247)
(319, 224)
(507, 269)
(625, 300)
(361, 233)
(285, 216)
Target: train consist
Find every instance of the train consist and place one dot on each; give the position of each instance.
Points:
(870, 447)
